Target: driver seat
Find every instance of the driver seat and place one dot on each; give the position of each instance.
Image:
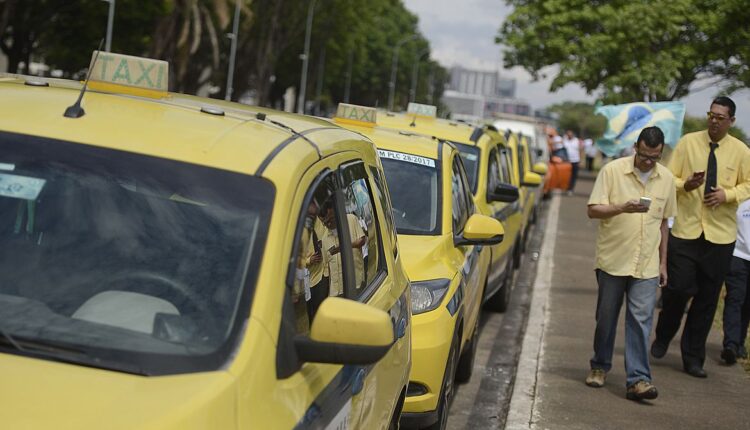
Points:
(124, 309)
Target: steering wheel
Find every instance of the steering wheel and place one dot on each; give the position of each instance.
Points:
(177, 293)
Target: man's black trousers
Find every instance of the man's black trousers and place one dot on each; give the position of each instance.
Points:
(696, 269)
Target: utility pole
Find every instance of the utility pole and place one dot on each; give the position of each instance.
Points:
(110, 24)
(394, 68)
(233, 51)
(348, 86)
(305, 57)
(415, 74)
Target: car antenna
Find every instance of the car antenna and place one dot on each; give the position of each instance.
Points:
(413, 121)
(75, 110)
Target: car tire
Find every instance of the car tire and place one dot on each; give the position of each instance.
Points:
(466, 363)
(517, 254)
(501, 299)
(448, 387)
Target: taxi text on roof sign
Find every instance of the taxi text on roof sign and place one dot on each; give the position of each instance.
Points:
(422, 110)
(356, 115)
(127, 74)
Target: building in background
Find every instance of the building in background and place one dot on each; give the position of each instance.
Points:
(476, 94)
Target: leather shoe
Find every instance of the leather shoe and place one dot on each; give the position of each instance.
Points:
(696, 371)
(729, 355)
(658, 349)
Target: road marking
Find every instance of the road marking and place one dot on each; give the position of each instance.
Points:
(523, 412)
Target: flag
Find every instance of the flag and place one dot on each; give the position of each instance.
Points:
(625, 122)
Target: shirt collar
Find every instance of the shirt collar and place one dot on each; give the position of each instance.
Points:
(719, 143)
(630, 168)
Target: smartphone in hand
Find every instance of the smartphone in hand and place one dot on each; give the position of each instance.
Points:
(645, 201)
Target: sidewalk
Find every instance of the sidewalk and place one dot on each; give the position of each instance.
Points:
(550, 392)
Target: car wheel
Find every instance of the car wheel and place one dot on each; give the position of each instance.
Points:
(466, 362)
(448, 388)
(517, 254)
(500, 300)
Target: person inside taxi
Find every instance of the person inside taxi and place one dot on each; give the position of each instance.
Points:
(331, 249)
(313, 258)
(631, 257)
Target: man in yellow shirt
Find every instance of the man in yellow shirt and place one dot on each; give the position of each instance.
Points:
(633, 197)
(712, 175)
(332, 251)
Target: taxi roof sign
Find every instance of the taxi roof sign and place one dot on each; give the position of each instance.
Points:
(356, 115)
(422, 110)
(120, 73)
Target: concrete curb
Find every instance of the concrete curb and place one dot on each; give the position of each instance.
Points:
(523, 412)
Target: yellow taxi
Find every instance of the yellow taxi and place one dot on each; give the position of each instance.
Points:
(175, 262)
(495, 189)
(531, 192)
(440, 237)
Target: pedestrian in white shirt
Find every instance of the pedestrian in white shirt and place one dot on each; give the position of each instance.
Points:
(737, 300)
(590, 150)
(573, 148)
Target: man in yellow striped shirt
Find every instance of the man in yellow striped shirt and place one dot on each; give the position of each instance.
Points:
(712, 175)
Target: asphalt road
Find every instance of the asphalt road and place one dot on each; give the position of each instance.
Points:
(483, 402)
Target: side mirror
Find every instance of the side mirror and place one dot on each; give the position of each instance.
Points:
(480, 230)
(503, 193)
(346, 332)
(539, 168)
(531, 179)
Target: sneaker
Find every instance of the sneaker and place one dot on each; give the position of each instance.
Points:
(729, 355)
(642, 390)
(596, 378)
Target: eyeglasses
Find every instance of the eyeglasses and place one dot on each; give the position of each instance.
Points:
(653, 158)
(710, 115)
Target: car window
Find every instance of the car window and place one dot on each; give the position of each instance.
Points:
(148, 262)
(381, 190)
(413, 183)
(494, 172)
(363, 229)
(470, 158)
(519, 151)
(505, 165)
(318, 270)
(459, 195)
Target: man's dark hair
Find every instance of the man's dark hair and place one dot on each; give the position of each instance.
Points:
(725, 101)
(651, 137)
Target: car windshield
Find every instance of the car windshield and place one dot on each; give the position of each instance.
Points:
(123, 261)
(413, 183)
(470, 157)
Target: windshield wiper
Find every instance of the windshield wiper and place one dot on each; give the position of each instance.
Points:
(11, 341)
(56, 352)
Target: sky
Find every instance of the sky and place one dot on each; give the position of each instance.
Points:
(462, 32)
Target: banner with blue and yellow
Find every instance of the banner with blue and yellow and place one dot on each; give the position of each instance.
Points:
(625, 122)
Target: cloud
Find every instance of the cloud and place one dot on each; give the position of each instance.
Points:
(463, 33)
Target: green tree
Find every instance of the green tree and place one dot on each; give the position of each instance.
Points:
(628, 51)
(692, 123)
(580, 118)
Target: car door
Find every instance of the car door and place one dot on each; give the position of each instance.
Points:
(320, 395)
(497, 173)
(381, 382)
(462, 208)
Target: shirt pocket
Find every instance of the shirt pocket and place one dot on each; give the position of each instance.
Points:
(656, 210)
(728, 177)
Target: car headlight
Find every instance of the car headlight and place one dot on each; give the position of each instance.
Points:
(427, 295)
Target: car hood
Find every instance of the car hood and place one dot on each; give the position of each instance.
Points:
(40, 394)
(428, 257)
